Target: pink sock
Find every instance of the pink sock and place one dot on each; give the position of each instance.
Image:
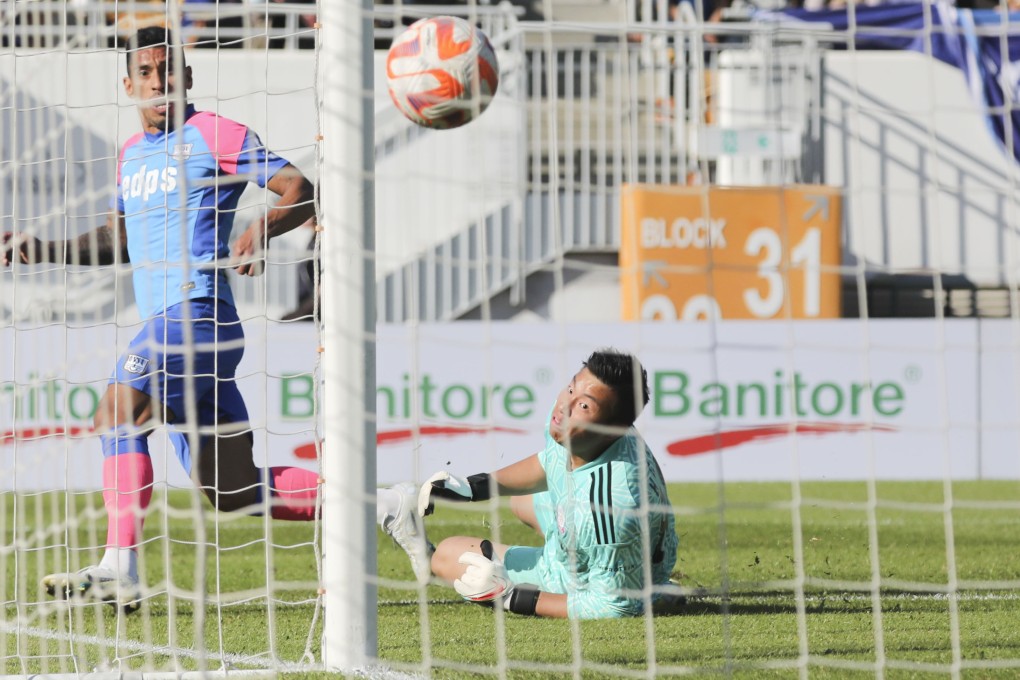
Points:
(293, 492)
(127, 490)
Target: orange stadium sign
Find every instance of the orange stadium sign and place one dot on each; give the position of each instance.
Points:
(728, 252)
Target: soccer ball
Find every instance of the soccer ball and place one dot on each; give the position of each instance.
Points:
(442, 72)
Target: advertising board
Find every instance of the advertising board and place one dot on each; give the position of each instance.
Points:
(736, 400)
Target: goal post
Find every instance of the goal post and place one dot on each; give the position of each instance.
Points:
(347, 198)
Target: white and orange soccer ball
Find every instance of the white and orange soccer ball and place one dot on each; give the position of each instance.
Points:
(442, 72)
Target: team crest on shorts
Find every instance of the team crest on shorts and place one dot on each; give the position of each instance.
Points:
(135, 363)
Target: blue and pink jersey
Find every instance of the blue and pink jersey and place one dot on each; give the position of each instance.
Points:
(176, 239)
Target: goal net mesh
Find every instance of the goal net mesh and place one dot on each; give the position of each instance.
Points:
(803, 223)
(64, 118)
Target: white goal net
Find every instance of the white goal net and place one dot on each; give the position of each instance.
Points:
(65, 119)
(803, 223)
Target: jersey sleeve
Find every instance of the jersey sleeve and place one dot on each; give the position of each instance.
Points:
(256, 161)
(238, 150)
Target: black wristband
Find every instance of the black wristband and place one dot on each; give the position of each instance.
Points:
(480, 487)
(523, 600)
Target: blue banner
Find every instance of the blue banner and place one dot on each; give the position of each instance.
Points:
(984, 44)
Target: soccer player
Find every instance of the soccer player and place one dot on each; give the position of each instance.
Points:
(179, 183)
(593, 492)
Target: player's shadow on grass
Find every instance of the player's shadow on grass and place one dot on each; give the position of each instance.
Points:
(738, 603)
(759, 602)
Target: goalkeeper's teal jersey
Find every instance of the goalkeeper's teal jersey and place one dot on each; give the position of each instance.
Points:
(592, 523)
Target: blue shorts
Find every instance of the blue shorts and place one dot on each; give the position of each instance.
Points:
(155, 364)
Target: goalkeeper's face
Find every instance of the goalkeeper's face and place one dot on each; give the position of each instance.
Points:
(583, 415)
(152, 82)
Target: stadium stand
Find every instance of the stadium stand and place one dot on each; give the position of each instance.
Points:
(585, 158)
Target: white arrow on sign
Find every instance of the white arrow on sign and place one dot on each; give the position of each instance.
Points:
(819, 203)
(650, 270)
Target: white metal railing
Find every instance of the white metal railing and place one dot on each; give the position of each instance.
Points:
(612, 105)
(44, 295)
(107, 23)
(96, 25)
(604, 104)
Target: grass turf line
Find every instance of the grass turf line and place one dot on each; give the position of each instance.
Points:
(752, 632)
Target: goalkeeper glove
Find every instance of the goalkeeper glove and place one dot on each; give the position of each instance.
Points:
(453, 488)
(486, 579)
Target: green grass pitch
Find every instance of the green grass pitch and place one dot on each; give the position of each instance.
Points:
(737, 543)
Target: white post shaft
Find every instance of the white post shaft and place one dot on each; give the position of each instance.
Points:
(346, 194)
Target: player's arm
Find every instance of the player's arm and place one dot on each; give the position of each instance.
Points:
(552, 605)
(104, 245)
(519, 479)
(612, 587)
(295, 207)
(613, 570)
(485, 580)
(611, 591)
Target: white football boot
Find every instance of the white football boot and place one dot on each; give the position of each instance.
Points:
(95, 584)
(407, 529)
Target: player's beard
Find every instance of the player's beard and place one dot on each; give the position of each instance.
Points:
(161, 116)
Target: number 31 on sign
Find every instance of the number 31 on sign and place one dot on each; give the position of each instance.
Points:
(737, 253)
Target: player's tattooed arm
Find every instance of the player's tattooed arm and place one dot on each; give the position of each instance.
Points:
(295, 207)
(104, 245)
(297, 201)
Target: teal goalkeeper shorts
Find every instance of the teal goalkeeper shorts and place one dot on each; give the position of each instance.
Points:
(527, 564)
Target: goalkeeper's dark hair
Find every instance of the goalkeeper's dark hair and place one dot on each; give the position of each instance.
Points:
(628, 379)
(150, 36)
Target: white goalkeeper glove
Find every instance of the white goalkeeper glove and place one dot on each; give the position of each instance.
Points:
(452, 488)
(484, 579)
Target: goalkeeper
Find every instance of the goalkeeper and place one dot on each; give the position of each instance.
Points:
(594, 492)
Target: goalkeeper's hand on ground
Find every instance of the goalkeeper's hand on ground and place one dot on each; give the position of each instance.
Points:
(486, 579)
(452, 488)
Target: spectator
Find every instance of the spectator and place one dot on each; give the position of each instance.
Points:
(150, 13)
(711, 12)
(287, 24)
(201, 22)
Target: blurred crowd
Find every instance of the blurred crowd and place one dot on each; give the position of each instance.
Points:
(232, 23)
(291, 23)
(203, 23)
